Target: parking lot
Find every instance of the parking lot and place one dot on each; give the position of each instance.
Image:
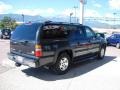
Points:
(90, 75)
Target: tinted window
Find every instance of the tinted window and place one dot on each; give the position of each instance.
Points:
(118, 36)
(77, 34)
(113, 36)
(55, 31)
(6, 31)
(25, 32)
(89, 32)
(100, 35)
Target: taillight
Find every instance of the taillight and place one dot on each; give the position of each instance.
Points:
(38, 50)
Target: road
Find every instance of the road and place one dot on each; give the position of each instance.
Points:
(91, 75)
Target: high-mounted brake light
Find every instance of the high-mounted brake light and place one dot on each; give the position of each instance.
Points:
(38, 50)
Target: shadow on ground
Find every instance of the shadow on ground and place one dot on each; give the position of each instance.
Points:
(76, 70)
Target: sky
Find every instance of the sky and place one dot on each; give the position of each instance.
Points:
(47, 8)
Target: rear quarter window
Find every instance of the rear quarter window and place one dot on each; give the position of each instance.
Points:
(55, 32)
(25, 32)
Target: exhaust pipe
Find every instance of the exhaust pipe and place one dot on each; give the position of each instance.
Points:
(17, 64)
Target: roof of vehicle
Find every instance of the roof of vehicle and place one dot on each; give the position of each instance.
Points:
(51, 22)
(117, 34)
(6, 29)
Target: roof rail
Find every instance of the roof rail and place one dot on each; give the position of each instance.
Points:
(48, 21)
(75, 23)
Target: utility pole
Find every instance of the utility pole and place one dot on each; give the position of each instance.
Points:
(23, 18)
(71, 16)
(82, 2)
(114, 19)
(75, 7)
(82, 12)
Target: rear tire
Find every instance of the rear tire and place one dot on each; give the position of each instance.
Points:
(62, 64)
(101, 53)
(1, 37)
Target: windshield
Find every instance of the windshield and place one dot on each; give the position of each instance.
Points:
(25, 32)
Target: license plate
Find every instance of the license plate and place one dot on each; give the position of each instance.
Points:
(19, 59)
(6, 33)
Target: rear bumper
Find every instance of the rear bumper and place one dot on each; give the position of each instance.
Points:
(6, 36)
(23, 60)
(31, 62)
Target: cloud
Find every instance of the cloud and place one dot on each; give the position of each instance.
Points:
(91, 13)
(87, 12)
(109, 15)
(115, 4)
(93, 1)
(67, 12)
(33, 12)
(50, 10)
(4, 7)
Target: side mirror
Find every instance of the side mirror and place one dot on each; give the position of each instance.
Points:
(100, 35)
(97, 35)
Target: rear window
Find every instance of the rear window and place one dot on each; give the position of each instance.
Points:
(6, 31)
(55, 31)
(25, 32)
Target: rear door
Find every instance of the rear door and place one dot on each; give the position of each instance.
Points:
(23, 39)
(53, 38)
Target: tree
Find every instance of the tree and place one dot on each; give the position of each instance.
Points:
(8, 22)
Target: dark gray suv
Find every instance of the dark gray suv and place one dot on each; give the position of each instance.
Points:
(54, 44)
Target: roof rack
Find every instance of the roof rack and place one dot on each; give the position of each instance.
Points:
(48, 21)
(62, 23)
(54, 22)
(75, 23)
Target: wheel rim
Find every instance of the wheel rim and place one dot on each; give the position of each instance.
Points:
(102, 52)
(64, 64)
(118, 45)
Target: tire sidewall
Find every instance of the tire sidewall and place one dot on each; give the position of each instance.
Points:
(118, 45)
(56, 66)
(99, 54)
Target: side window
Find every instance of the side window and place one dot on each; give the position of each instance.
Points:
(117, 36)
(89, 32)
(78, 34)
(81, 33)
(113, 36)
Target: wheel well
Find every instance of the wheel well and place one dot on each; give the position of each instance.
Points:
(69, 52)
